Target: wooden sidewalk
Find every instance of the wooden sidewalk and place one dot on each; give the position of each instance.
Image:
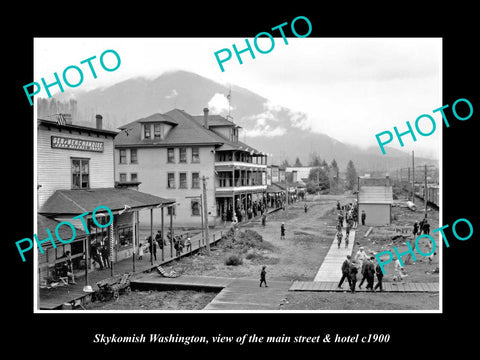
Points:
(234, 293)
(332, 263)
(328, 286)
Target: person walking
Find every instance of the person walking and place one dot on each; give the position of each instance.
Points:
(363, 271)
(140, 251)
(152, 247)
(264, 219)
(305, 207)
(105, 258)
(263, 276)
(158, 239)
(282, 231)
(347, 234)
(361, 256)
(339, 238)
(426, 227)
(364, 217)
(95, 255)
(378, 271)
(353, 275)
(345, 272)
(370, 273)
(399, 271)
(415, 229)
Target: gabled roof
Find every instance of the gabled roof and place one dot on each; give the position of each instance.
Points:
(215, 120)
(185, 131)
(76, 202)
(158, 118)
(375, 195)
(65, 232)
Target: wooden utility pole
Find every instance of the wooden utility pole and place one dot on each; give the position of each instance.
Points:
(413, 178)
(286, 192)
(205, 214)
(425, 193)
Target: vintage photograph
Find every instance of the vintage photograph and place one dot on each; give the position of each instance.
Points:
(296, 176)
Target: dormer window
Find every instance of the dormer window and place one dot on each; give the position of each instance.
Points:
(157, 131)
(147, 131)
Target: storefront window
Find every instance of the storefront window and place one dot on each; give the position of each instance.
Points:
(125, 236)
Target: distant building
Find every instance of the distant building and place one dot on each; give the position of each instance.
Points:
(375, 197)
(170, 153)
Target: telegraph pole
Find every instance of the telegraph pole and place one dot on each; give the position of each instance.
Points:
(425, 194)
(413, 178)
(205, 214)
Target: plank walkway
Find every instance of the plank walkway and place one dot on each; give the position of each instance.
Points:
(245, 294)
(234, 293)
(183, 281)
(332, 263)
(387, 286)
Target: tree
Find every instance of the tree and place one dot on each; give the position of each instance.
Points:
(351, 176)
(318, 179)
(298, 163)
(334, 167)
(315, 160)
(284, 164)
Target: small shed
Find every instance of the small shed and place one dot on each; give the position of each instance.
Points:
(376, 201)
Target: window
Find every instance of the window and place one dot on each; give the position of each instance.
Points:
(195, 207)
(80, 174)
(133, 177)
(123, 156)
(183, 180)
(195, 155)
(157, 131)
(183, 155)
(123, 177)
(171, 155)
(147, 130)
(195, 180)
(133, 156)
(171, 180)
(172, 210)
(125, 236)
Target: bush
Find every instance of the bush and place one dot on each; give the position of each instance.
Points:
(234, 260)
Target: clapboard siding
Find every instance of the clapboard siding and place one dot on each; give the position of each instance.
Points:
(54, 165)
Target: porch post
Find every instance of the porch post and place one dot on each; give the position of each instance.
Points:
(163, 234)
(151, 236)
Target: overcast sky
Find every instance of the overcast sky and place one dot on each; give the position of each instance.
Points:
(349, 88)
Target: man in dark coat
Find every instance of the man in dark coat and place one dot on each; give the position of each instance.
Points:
(353, 275)
(152, 247)
(415, 228)
(345, 272)
(364, 216)
(370, 273)
(378, 271)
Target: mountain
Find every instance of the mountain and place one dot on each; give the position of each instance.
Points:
(267, 127)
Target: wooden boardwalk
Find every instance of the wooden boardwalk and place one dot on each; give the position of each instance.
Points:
(332, 263)
(234, 293)
(387, 286)
(245, 294)
(154, 279)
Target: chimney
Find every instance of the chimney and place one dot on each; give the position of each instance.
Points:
(99, 121)
(67, 118)
(205, 118)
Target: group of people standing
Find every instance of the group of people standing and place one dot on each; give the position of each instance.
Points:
(179, 243)
(368, 268)
(100, 253)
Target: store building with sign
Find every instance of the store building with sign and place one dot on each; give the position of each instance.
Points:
(75, 175)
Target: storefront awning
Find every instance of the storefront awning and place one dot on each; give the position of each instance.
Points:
(76, 202)
(65, 232)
